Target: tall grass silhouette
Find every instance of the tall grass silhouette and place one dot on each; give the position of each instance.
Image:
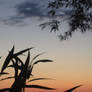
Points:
(22, 71)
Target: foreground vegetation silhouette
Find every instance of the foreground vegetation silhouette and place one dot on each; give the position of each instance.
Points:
(72, 89)
(22, 71)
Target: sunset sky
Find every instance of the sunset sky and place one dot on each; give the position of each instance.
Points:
(72, 58)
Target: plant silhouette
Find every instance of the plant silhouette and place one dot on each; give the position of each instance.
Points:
(22, 71)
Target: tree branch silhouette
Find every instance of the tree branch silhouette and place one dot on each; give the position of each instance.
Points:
(79, 18)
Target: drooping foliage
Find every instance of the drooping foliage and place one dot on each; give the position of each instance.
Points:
(79, 18)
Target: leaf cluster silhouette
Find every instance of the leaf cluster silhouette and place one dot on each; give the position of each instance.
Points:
(80, 17)
(22, 71)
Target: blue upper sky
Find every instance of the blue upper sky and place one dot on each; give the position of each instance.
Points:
(18, 10)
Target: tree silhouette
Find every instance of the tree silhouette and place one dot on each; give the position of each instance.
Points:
(22, 71)
(79, 18)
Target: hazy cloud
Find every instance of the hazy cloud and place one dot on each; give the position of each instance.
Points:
(17, 11)
(29, 9)
(23, 10)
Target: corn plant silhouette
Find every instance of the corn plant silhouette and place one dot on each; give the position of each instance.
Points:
(22, 71)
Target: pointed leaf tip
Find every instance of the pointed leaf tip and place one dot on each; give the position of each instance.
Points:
(39, 79)
(8, 58)
(23, 51)
(36, 57)
(71, 89)
(44, 61)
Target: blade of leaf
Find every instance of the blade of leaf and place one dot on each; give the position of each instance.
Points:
(44, 60)
(39, 86)
(23, 51)
(27, 60)
(5, 89)
(36, 57)
(30, 71)
(7, 78)
(15, 68)
(2, 73)
(17, 58)
(0, 57)
(39, 79)
(70, 90)
(7, 60)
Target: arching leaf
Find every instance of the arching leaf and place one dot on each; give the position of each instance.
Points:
(23, 51)
(39, 79)
(39, 87)
(15, 66)
(70, 90)
(36, 57)
(44, 61)
(7, 78)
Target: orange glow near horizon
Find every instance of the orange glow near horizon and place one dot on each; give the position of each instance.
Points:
(72, 58)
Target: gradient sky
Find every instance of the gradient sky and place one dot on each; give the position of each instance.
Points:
(72, 58)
